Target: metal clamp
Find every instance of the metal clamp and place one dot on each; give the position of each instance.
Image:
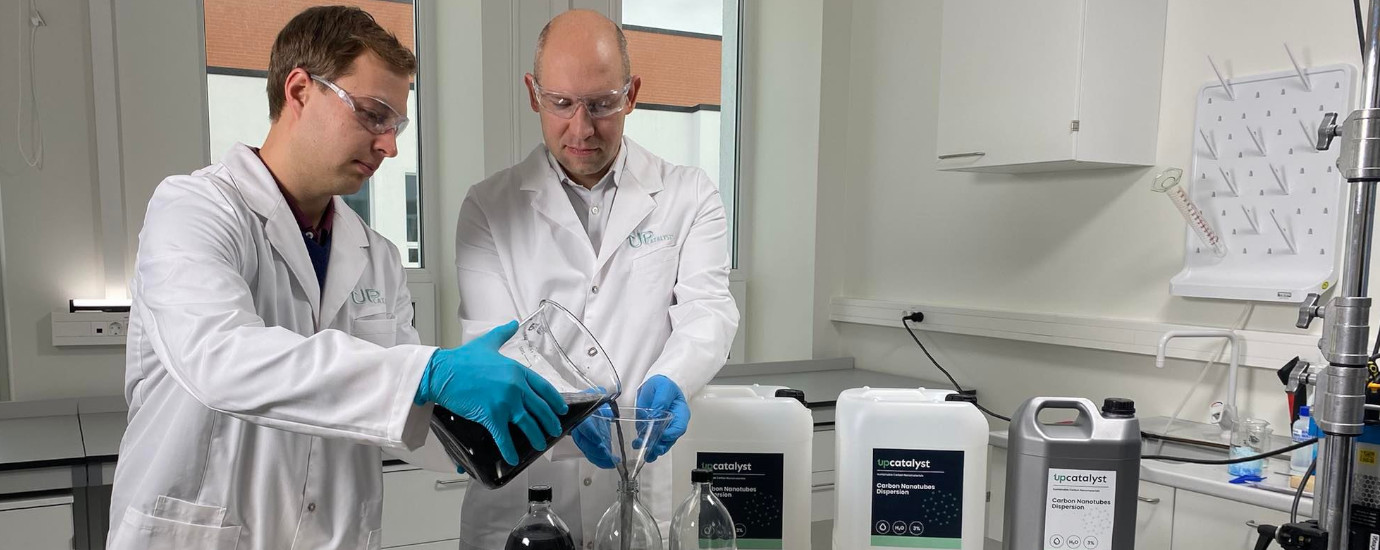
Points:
(1345, 338)
(1310, 310)
(962, 155)
(1327, 130)
(1360, 154)
(1148, 500)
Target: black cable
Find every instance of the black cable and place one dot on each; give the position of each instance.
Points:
(1298, 495)
(1237, 460)
(1360, 33)
(906, 323)
(990, 413)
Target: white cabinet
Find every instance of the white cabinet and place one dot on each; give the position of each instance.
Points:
(1056, 85)
(421, 506)
(1202, 521)
(36, 524)
(1154, 516)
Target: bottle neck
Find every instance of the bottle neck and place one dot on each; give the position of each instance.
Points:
(537, 507)
(627, 486)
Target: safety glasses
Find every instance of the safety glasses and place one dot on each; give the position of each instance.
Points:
(598, 105)
(374, 114)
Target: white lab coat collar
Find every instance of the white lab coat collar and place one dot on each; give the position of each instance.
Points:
(348, 239)
(620, 163)
(637, 187)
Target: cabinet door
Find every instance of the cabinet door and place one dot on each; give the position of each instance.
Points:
(37, 528)
(1008, 81)
(1154, 517)
(1202, 521)
(421, 506)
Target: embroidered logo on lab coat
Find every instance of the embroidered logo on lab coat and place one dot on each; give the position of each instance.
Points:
(362, 295)
(638, 239)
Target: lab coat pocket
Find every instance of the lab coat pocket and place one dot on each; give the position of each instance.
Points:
(654, 273)
(174, 525)
(379, 330)
(375, 541)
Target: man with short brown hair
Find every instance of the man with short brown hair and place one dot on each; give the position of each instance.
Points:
(271, 352)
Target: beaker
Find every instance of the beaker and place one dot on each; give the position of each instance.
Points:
(1168, 183)
(628, 524)
(1250, 436)
(553, 343)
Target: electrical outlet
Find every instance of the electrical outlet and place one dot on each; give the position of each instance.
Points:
(90, 328)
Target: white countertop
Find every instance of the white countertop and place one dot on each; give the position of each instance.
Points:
(1212, 480)
(59, 431)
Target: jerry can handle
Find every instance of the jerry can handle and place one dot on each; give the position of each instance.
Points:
(1083, 406)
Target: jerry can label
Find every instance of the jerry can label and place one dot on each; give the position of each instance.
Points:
(917, 498)
(1080, 509)
(751, 486)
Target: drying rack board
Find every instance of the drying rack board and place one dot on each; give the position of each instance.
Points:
(1276, 201)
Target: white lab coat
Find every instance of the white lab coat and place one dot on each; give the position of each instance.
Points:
(656, 297)
(258, 403)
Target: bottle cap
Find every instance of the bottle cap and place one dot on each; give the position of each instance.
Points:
(539, 493)
(797, 395)
(701, 476)
(1118, 407)
(1305, 411)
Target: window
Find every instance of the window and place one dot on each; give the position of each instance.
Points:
(239, 37)
(686, 52)
(414, 228)
(359, 202)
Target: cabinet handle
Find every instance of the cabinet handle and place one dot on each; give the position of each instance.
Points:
(962, 155)
(1148, 500)
(1252, 524)
(822, 486)
(447, 484)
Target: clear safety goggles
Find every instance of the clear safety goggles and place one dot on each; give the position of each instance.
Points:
(598, 105)
(374, 114)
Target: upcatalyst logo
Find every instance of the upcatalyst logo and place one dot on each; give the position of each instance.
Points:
(1088, 479)
(907, 464)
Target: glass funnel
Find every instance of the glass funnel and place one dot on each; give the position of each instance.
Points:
(557, 346)
(628, 524)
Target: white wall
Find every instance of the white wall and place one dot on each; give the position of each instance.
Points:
(780, 142)
(1093, 243)
(681, 138)
(460, 132)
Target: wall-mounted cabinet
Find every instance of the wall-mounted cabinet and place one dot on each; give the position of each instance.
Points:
(1054, 85)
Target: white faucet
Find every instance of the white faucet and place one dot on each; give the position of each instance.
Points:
(1229, 416)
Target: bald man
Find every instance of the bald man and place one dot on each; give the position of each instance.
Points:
(634, 246)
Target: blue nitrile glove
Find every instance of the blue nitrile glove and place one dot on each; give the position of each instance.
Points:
(592, 437)
(660, 393)
(481, 385)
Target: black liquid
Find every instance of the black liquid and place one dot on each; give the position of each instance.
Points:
(469, 444)
(539, 537)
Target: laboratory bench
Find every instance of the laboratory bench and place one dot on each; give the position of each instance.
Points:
(57, 462)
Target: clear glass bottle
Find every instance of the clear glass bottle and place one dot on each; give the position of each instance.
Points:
(628, 524)
(541, 528)
(702, 521)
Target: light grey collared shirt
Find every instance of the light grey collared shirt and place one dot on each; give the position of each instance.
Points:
(594, 205)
